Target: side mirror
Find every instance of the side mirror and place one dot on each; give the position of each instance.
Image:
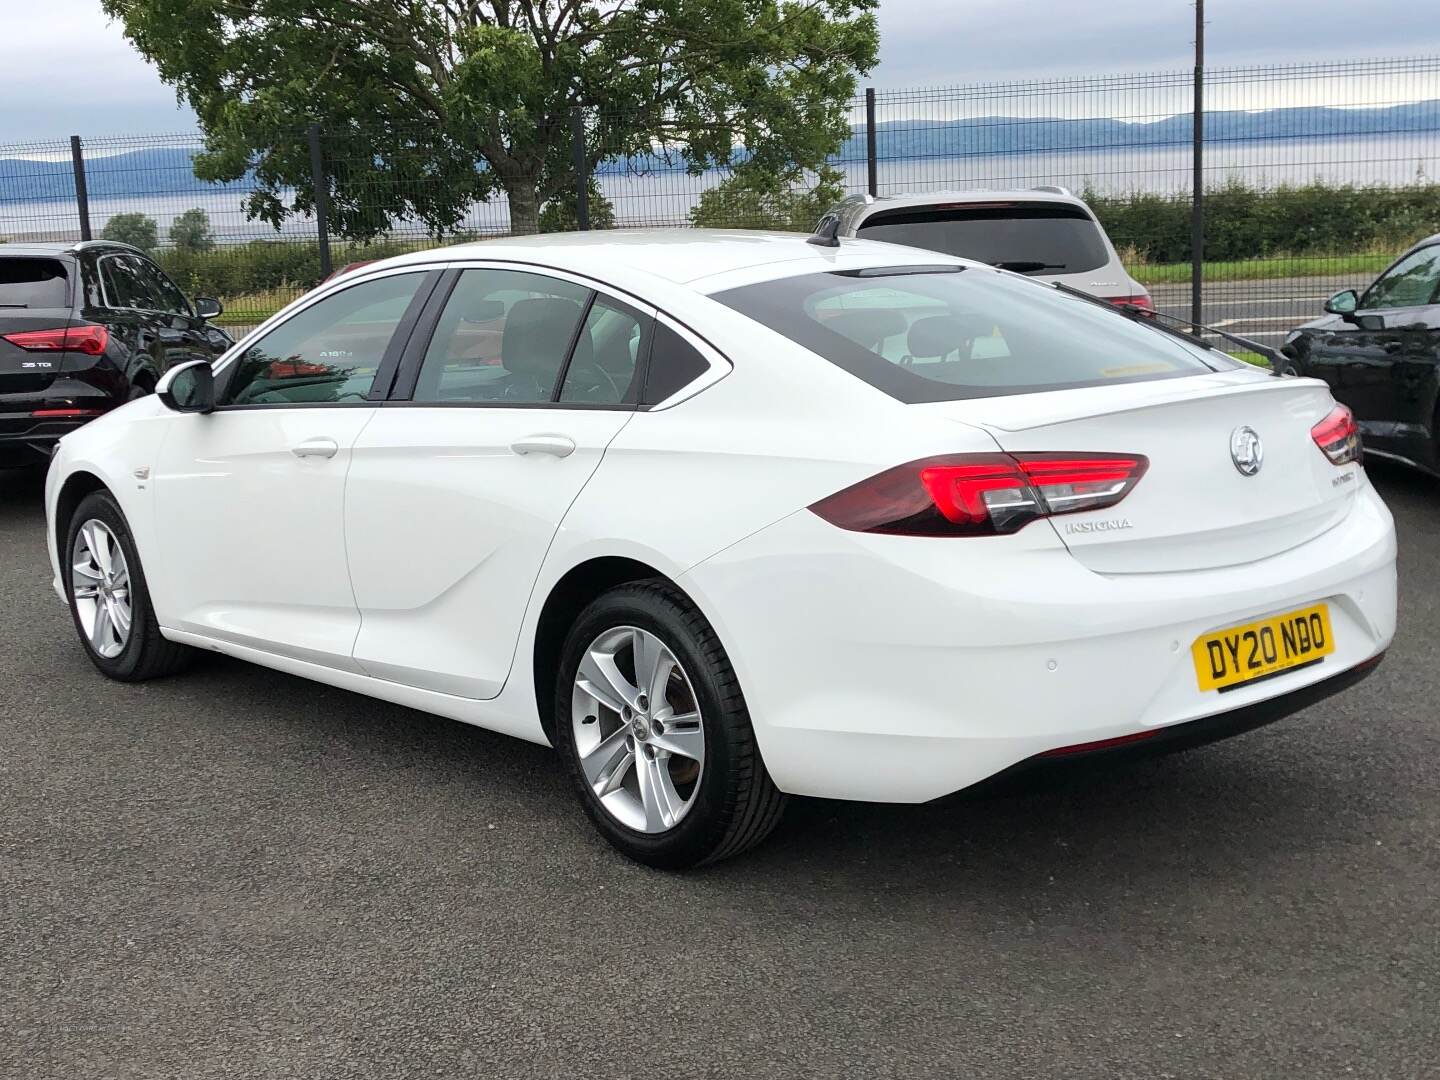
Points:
(207, 307)
(1343, 304)
(188, 388)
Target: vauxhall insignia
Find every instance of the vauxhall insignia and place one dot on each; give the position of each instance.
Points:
(1246, 450)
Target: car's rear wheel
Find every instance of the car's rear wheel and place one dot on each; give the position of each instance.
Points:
(654, 729)
(109, 600)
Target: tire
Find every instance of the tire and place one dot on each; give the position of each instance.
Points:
(137, 392)
(141, 652)
(732, 804)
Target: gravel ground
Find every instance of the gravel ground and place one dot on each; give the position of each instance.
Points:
(241, 874)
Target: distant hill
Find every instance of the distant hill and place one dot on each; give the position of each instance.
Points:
(156, 171)
(168, 171)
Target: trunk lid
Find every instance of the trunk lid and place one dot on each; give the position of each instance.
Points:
(1194, 509)
(25, 371)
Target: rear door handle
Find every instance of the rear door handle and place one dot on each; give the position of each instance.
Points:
(554, 445)
(321, 448)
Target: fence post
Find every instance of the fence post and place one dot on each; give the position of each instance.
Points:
(871, 160)
(582, 174)
(322, 200)
(1197, 194)
(82, 195)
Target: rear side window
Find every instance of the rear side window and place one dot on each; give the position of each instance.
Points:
(926, 336)
(503, 337)
(674, 365)
(33, 283)
(1029, 238)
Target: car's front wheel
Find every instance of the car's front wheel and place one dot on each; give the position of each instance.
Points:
(109, 600)
(651, 720)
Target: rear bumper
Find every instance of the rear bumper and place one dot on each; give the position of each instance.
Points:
(1184, 736)
(892, 669)
(30, 440)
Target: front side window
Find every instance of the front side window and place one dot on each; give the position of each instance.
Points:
(1412, 282)
(503, 337)
(330, 352)
(947, 333)
(1028, 238)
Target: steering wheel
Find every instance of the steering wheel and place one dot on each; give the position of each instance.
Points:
(590, 365)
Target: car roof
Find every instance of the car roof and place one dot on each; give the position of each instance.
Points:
(680, 256)
(974, 195)
(32, 248)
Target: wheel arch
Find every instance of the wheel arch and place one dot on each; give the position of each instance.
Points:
(574, 590)
(77, 485)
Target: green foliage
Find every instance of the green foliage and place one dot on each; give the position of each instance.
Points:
(756, 197)
(266, 265)
(1243, 222)
(428, 108)
(558, 215)
(191, 231)
(134, 229)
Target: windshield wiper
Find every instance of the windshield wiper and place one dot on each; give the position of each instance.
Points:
(1021, 266)
(1153, 319)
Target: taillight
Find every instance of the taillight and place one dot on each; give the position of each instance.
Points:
(1142, 301)
(981, 494)
(1338, 436)
(90, 340)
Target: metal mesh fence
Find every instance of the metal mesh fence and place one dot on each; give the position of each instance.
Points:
(1316, 176)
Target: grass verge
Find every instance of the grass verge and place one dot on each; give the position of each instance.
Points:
(1282, 266)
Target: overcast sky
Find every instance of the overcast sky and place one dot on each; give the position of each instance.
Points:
(67, 70)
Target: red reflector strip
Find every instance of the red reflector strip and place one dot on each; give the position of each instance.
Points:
(1099, 744)
(63, 414)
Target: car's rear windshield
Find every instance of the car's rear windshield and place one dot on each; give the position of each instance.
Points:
(33, 283)
(1029, 238)
(945, 333)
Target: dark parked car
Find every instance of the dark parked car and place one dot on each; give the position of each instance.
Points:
(83, 328)
(1380, 353)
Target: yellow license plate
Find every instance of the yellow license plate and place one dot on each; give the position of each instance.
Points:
(1242, 654)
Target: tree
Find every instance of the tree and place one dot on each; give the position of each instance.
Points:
(429, 106)
(558, 215)
(191, 231)
(134, 229)
(755, 197)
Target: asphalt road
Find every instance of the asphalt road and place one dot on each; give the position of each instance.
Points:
(1265, 309)
(240, 874)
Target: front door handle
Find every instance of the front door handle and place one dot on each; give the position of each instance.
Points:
(321, 448)
(554, 445)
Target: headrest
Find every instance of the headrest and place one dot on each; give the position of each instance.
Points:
(867, 328)
(537, 333)
(940, 335)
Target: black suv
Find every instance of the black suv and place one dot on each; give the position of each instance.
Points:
(83, 328)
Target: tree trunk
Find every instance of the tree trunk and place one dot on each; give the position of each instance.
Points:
(524, 206)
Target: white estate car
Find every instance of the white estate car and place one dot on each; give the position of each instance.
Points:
(731, 516)
(1042, 232)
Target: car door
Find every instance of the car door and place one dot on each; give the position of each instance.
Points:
(188, 337)
(1382, 363)
(249, 499)
(457, 487)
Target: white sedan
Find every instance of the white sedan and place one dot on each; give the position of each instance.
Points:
(726, 517)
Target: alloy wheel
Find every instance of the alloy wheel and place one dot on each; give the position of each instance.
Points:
(638, 732)
(100, 584)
